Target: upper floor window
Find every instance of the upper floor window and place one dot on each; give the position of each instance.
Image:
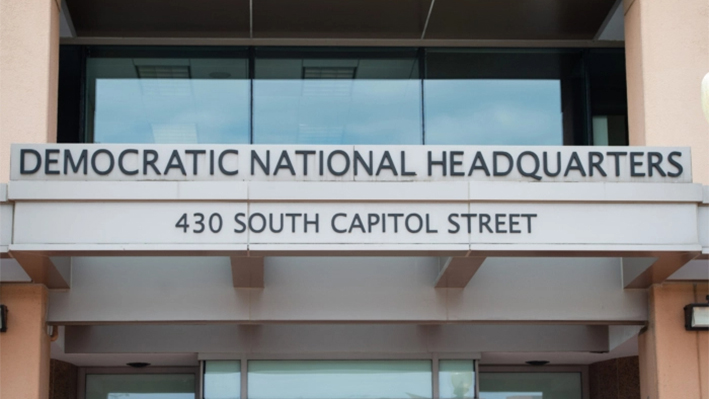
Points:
(269, 95)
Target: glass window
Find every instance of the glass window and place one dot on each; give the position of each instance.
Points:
(167, 96)
(222, 379)
(456, 379)
(140, 386)
(608, 96)
(365, 379)
(322, 96)
(503, 97)
(530, 386)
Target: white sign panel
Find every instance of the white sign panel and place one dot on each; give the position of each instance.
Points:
(613, 225)
(349, 163)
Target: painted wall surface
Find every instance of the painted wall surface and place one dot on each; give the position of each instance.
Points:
(29, 73)
(667, 55)
(24, 348)
(674, 363)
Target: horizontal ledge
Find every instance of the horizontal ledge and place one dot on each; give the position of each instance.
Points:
(490, 250)
(390, 191)
(413, 42)
(428, 321)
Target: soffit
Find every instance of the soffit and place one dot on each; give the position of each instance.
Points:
(343, 19)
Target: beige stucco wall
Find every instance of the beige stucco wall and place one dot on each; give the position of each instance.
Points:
(674, 362)
(24, 348)
(29, 56)
(667, 55)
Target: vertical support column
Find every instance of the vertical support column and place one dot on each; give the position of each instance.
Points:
(29, 73)
(24, 347)
(674, 363)
(667, 55)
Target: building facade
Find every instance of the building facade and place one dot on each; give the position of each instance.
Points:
(358, 199)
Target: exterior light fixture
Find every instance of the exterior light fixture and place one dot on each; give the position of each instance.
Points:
(537, 362)
(3, 318)
(138, 365)
(696, 316)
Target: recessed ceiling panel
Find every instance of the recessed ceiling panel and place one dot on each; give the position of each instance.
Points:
(517, 19)
(360, 19)
(160, 18)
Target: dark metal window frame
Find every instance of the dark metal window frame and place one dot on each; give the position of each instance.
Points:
(72, 118)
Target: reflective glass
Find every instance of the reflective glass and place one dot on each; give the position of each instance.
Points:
(351, 98)
(504, 97)
(530, 386)
(493, 112)
(370, 379)
(168, 100)
(222, 379)
(456, 379)
(140, 386)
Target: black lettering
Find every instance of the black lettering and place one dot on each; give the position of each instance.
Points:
(396, 217)
(359, 160)
(48, 160)
(121, 166)
(454, 223)
(316, 222)
(292, 217)
(266, 168)
(499, 224)
(195, 154)
(372, 220)
(483, 166)
(533, 174)
(405, 172)
(305, 154)
(271, 224)
(388, 165)
(595, 164)
(574, 164)
(221, 163)
(263, 222)
(83, 160)
(149, 159)
(332, 223)
(484, 220)
(237, 219)
(428, 225)
(347, 163)
(454, 163)
(23, 166)
(655, 164)
(673, 162)
(284, 162)
(469, 217)
(420, 221)
(175, 163)
(529, 217)
(514, 223)
(357, 223)
(111, 162)
(616, 156)
(441, 163)
(546, 164)
(510, 160)
(634, 163)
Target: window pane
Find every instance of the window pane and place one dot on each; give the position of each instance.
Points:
(329, 97)
(456, 379)
(168, 100)
(140, 386)
(530, 386)
(503, 97)
(222, 379)
(376, 379)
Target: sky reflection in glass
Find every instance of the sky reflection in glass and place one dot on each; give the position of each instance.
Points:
(213, 111)
(337, 111)
(493, 112)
